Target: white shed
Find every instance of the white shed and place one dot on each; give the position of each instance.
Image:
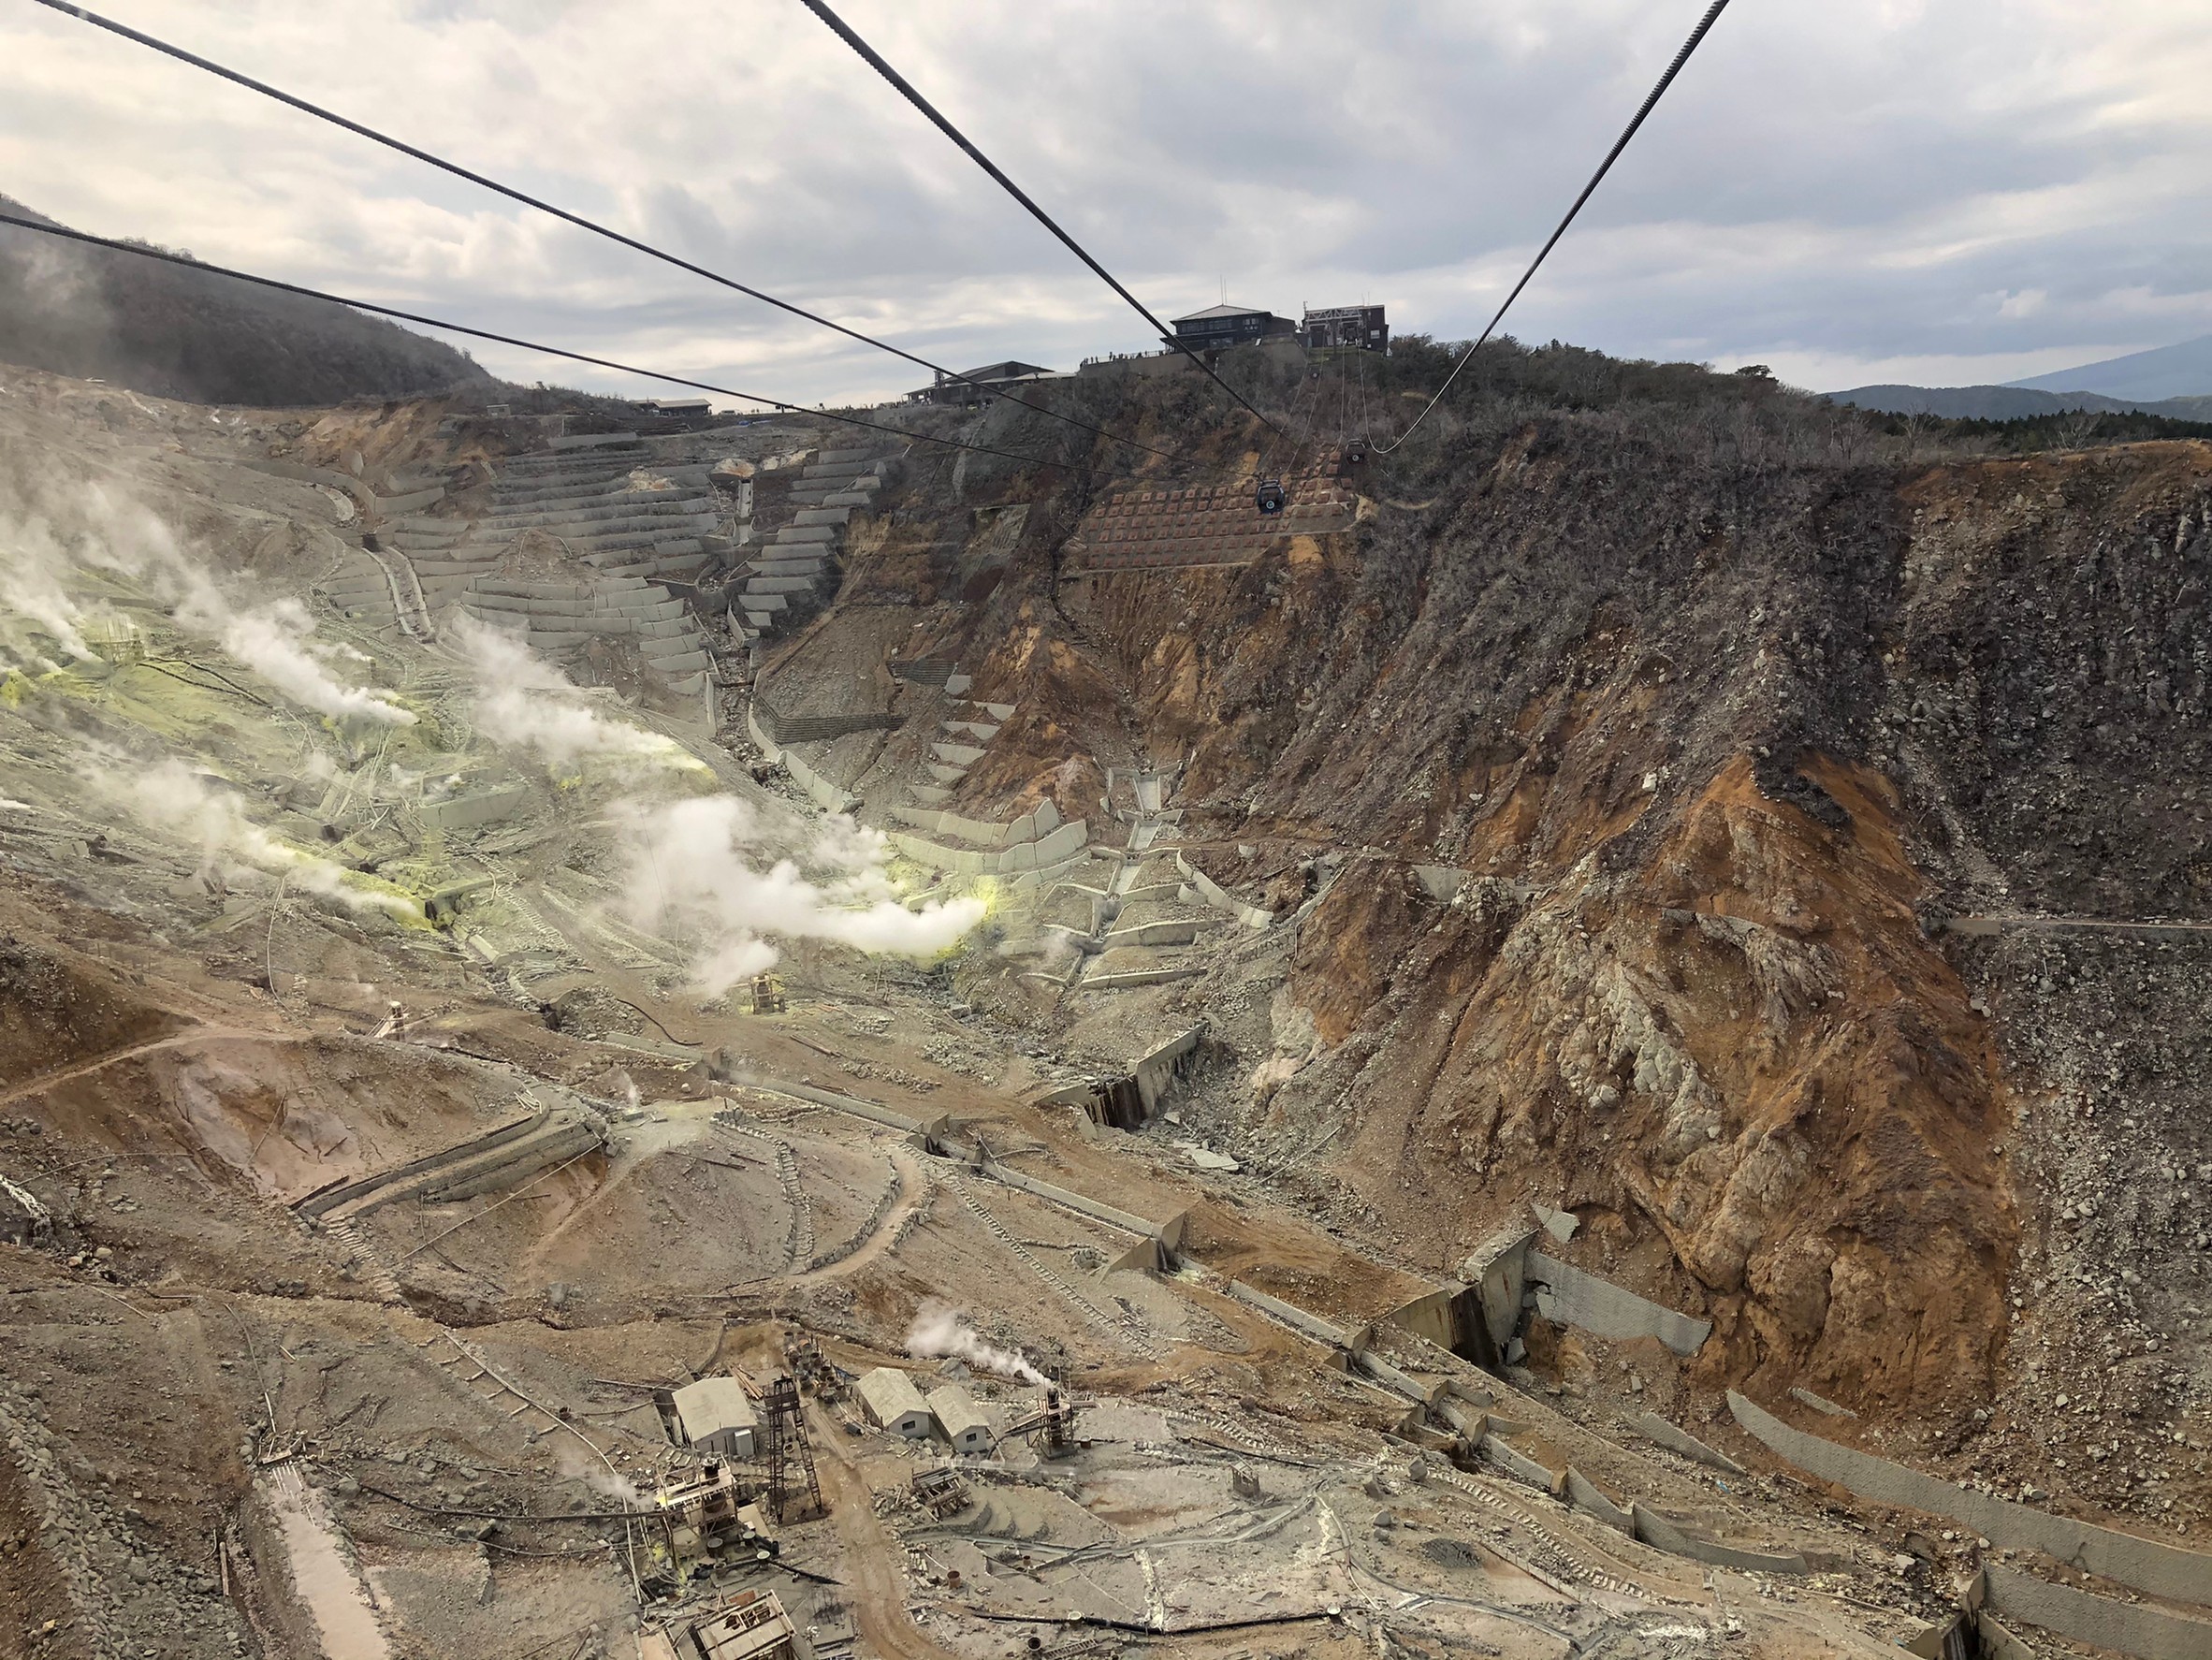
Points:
(892, 1401)
(960, 1419)
(717, 1416)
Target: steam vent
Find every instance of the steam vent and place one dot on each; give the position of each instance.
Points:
(1296, 994)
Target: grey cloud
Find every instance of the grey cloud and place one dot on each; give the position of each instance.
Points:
(1408, 150)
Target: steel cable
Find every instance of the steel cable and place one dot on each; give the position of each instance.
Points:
(167, 257)
(1604, 166)
(875, 60)
(433, 159)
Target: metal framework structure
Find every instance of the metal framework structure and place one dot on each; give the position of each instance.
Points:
(794, 1489)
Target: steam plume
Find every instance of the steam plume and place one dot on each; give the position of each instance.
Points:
(688, 876)
(171, 800)
(54, 536)
(524, 702)
(938, 1329)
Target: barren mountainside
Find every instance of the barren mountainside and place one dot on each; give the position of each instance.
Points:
(1591, 1043)
(1717, 718)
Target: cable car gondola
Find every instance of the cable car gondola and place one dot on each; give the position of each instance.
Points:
(1269, 497)
(1355, 452)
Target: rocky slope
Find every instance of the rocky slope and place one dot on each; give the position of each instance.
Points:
(1715, 714)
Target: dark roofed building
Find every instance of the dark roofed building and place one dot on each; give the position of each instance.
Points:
(947, 390)
(1220, 326)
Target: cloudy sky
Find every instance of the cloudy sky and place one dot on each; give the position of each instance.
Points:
(1853, 191)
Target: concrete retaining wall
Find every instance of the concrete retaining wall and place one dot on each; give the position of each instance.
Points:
(1063, 843)
(1586, 1495)
(982, 832)
(1661, 1534)
(1676, 1439)
(825, 793)
(1128, 1221)
(1519, 1465)
(2101, 1622)
(1312, 1325)
(2145, 1565)
(1498, 1272)
(482, 806)
(1396, 1379)
(1570, 1297)
(886, 1117)
(1221, 899)
(1440, 882)
(1158, 1071)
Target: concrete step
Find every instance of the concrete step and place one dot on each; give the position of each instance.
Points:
(633, 505)
(822, 516)
(594, 441)
(806, 535)
(613, 536)
(754, 585)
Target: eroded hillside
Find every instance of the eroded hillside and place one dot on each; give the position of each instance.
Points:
(1590, 1043)
(1709, 719)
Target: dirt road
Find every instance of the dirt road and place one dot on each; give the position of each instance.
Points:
(875, 1573)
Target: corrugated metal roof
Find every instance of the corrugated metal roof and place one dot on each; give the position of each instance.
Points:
(713, 1405)
(891, 1394)
(957, 1412)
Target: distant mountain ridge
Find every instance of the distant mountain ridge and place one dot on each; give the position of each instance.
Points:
(2180, 371)
(2172, 381)
(2011, 403)
(93, 312)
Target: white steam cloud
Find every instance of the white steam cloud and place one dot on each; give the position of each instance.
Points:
(42, 544)
(525, 703)
(171, 800)
(688, 878)
(939, 1330)
(30, 591)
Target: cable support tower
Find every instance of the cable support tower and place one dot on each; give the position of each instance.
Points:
(1665, 81)
(875, 60)
(531, 345)
(433, 159)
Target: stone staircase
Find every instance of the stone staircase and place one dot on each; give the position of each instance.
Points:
(1125, 1326)
(796, 569)
(361, 592)
(557, 617)
(1135, 929)
(625, 519)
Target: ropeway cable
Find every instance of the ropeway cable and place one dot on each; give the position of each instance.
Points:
(1604, 166)
(167, 257)
(875, 60)
(508, 191)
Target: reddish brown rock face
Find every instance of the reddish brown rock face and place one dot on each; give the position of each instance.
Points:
(1707, 745)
